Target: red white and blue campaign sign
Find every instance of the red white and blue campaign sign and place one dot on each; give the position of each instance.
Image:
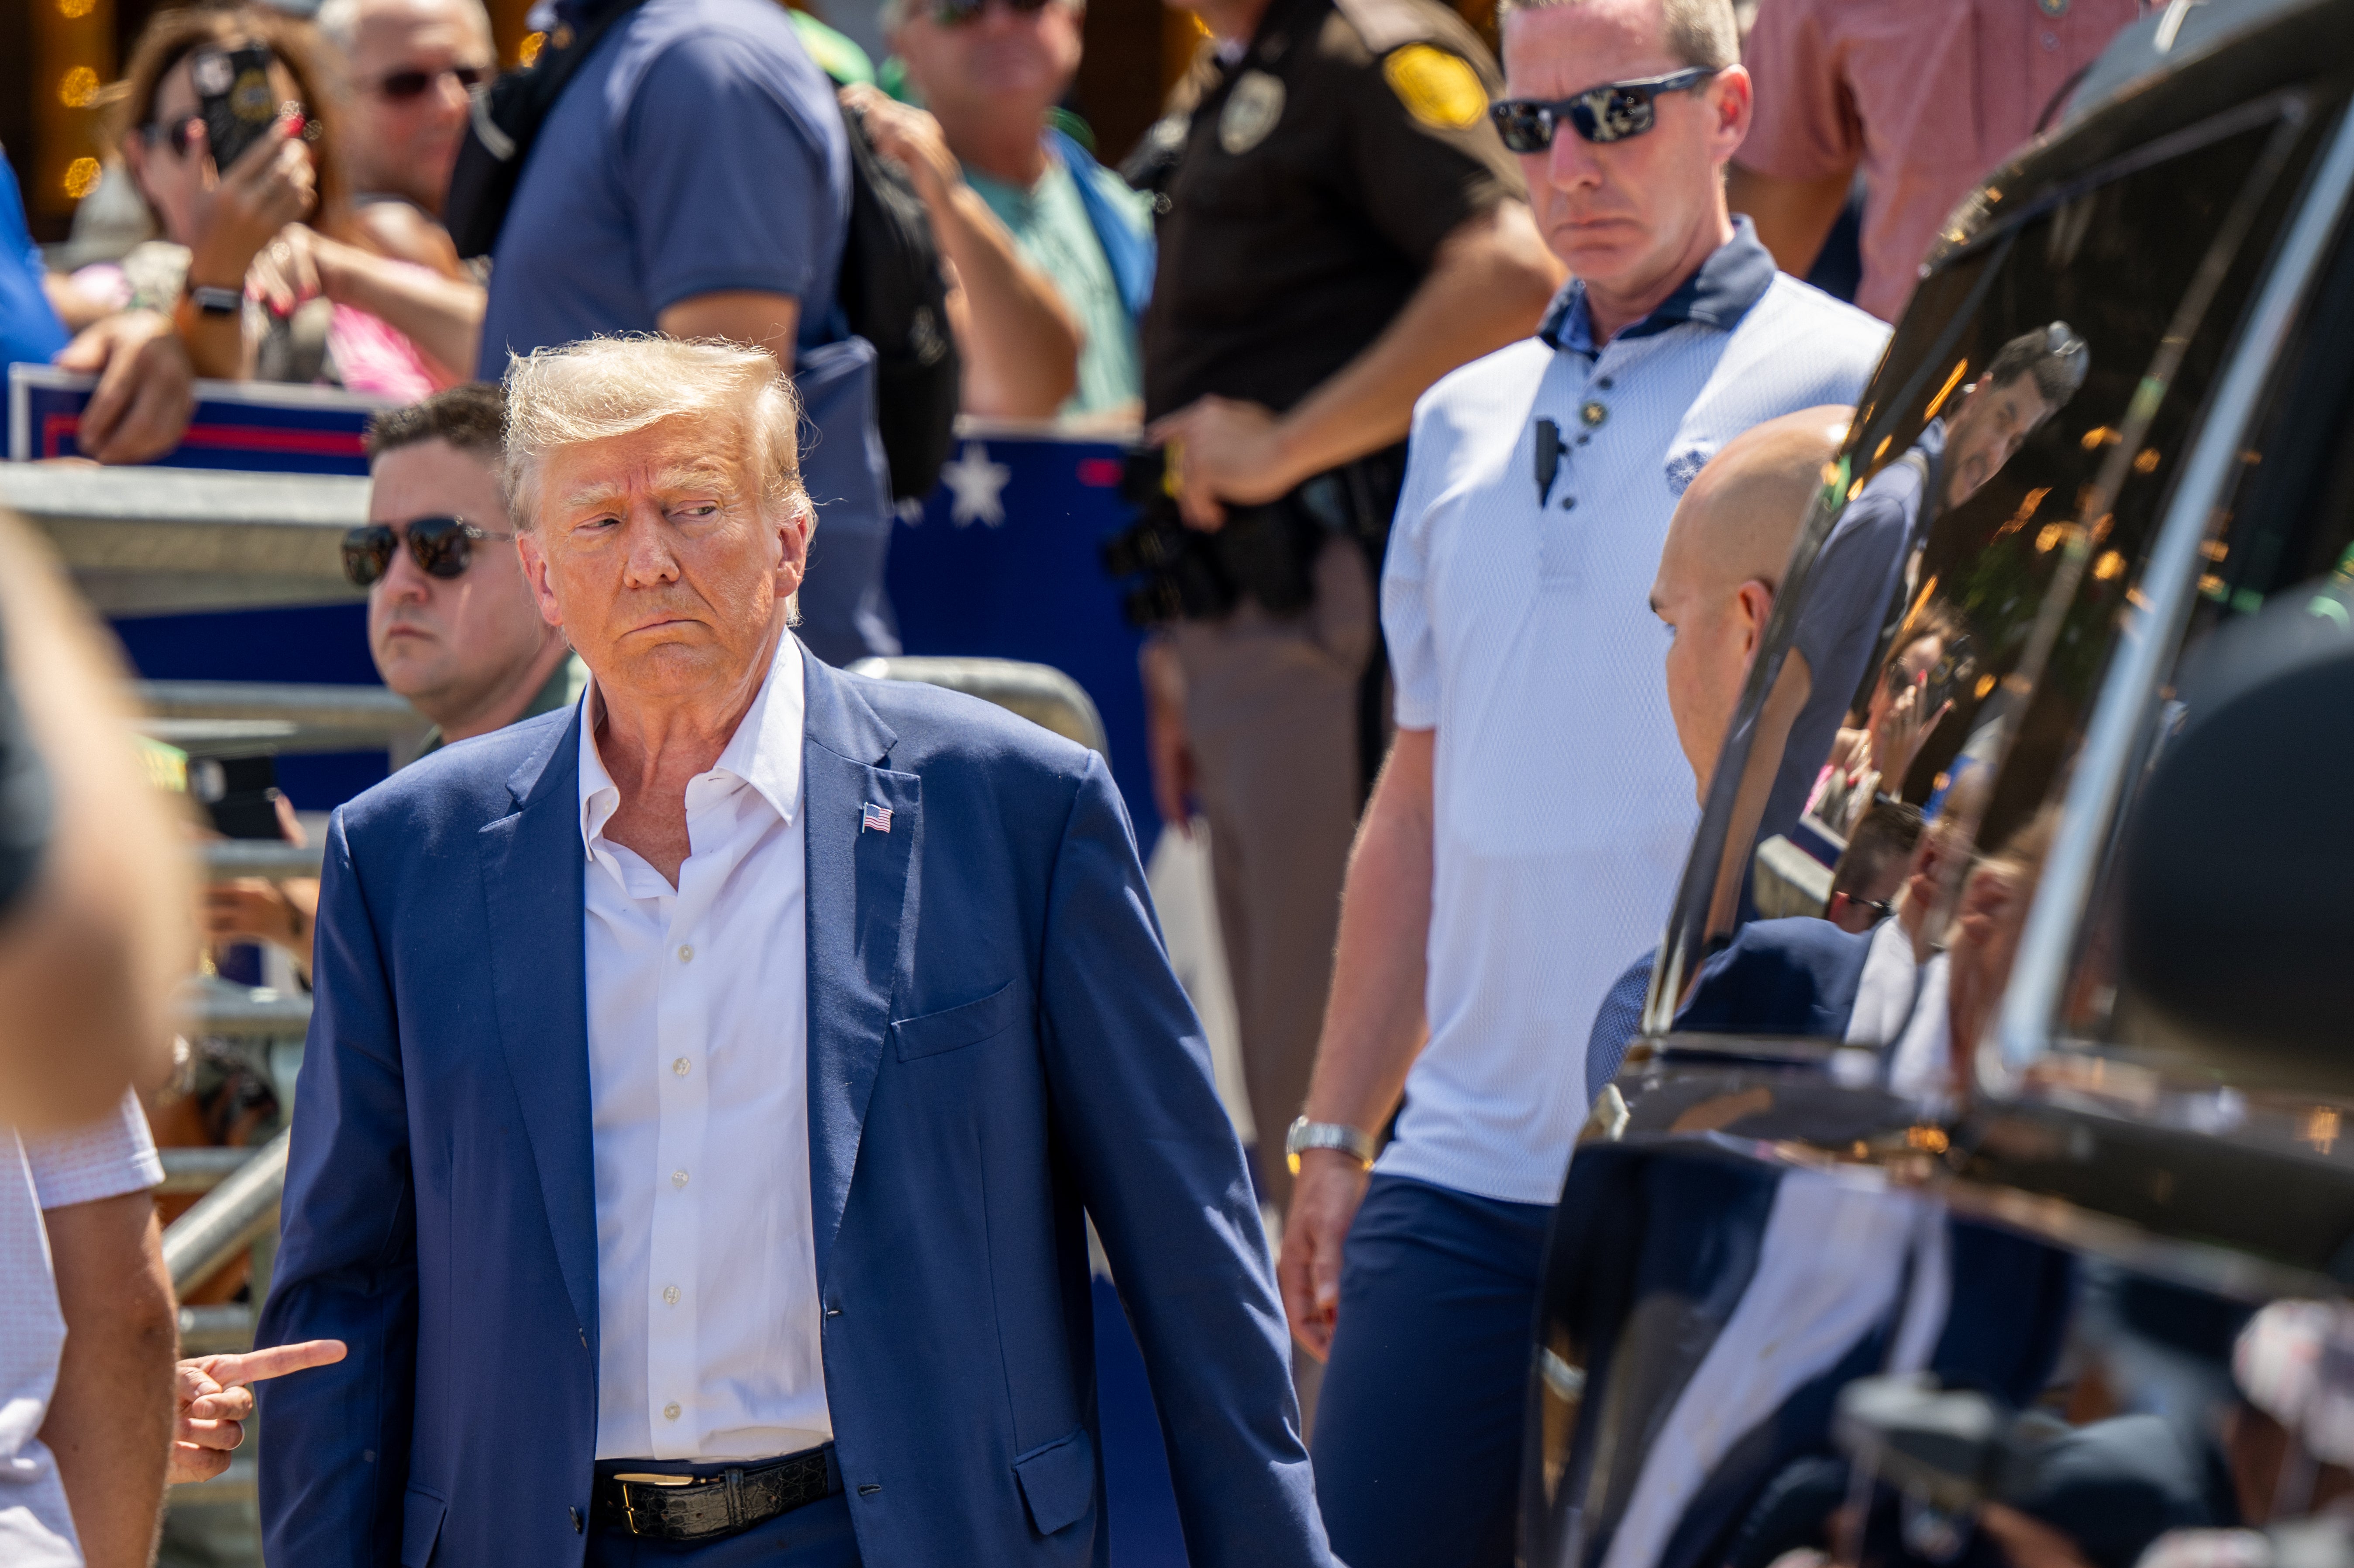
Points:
(1004, 563)
(246, 424)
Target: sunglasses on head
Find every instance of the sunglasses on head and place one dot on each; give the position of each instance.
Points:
(441, 547)
(403, 85)
(956, 12)
(1611, 112)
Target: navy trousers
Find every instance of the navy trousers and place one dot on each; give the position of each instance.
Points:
(1417, 1442)
(817, 1535)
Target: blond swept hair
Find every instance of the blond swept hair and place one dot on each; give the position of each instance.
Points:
(600, 388)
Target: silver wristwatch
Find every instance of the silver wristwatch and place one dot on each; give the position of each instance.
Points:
(1306, 1134)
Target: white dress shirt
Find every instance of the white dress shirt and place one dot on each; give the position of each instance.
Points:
(107, 1160)
(698, 1096)
(1885, 990)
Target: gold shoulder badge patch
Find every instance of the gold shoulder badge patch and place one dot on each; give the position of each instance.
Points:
(1436, 87)
(1253, 107)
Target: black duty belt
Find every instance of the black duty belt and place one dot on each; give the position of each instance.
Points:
(684, 1507)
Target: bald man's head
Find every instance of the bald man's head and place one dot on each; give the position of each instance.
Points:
(1726, 547)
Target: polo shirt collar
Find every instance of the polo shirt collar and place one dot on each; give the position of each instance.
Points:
(1719, 292)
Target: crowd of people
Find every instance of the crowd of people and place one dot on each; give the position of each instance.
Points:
(1461, 376)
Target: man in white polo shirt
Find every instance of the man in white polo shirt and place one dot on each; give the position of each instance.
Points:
(1528, 829)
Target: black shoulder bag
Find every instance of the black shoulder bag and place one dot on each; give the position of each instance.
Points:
(505, 122)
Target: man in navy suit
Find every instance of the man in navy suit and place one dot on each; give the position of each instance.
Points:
(706, 1083)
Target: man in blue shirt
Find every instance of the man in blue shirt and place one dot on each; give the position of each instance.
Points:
(145, 388)
(694, 179)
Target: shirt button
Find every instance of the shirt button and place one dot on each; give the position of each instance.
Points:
(685, 954)
(678, 1178)
(682, 1066)
(670, 1411)
(2051, 42)
(670, 1295)
(1594, 412)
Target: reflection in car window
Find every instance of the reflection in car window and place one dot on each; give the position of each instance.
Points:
(1937, 654)
(2206, 954)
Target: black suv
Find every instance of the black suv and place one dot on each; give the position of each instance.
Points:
(1980, 1183)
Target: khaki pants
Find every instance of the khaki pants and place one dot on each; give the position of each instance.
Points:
(1271, 710)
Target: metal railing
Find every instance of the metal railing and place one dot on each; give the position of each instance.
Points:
(154, 539)
(1039, 693)
(244, 717)
(228, 1219)
(226, 860)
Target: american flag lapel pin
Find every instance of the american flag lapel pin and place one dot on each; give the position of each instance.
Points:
(874, 817)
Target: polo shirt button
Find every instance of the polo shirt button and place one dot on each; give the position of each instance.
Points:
(1604, 382)
(1569, 502)
(1582, 440)
(1593, 413)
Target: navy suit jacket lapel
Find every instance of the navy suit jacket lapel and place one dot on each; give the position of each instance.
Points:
(533, 864)
(861, 910)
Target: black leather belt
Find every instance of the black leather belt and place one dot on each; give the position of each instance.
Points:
(704, 1508)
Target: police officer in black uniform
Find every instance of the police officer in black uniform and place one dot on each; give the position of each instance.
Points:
(1340, 228)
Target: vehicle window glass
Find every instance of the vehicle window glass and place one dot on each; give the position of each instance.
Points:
(1925, 677)
(2211, 931)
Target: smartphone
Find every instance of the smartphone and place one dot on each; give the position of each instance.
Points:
(235, 96)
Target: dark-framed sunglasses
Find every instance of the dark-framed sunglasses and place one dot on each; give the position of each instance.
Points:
(1611, 112)
(403, 85)
(441, 547)
(1881, 908)
(956, 12)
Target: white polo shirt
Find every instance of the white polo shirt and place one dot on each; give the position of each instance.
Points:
(1521, 628)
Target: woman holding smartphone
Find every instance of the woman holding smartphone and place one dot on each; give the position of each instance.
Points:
(243, 82)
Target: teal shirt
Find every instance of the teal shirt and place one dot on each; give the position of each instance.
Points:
(1050, 226)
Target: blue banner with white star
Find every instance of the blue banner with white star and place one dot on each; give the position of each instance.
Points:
(1004, 563)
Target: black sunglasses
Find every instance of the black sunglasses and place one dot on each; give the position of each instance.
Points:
(1881, 908)
(403, 85)
(956, 12)
(1611, 112)
(441, 547)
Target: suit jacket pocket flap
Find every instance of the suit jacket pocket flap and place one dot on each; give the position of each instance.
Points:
(953, 1028)
(1058, 1482)
(420, 1527)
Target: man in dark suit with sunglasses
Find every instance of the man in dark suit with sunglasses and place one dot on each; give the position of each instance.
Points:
(451, 621)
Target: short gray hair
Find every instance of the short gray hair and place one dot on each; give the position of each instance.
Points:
(338, 21)
(601, 387)
(1701, 33)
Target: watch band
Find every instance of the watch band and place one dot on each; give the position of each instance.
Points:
(216, 301)
(1306, 1134)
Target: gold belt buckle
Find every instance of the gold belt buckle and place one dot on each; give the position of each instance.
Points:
(644, 1478)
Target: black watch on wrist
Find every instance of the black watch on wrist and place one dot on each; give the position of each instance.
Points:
(212, 302)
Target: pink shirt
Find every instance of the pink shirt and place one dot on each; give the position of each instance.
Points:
(1926, 96)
